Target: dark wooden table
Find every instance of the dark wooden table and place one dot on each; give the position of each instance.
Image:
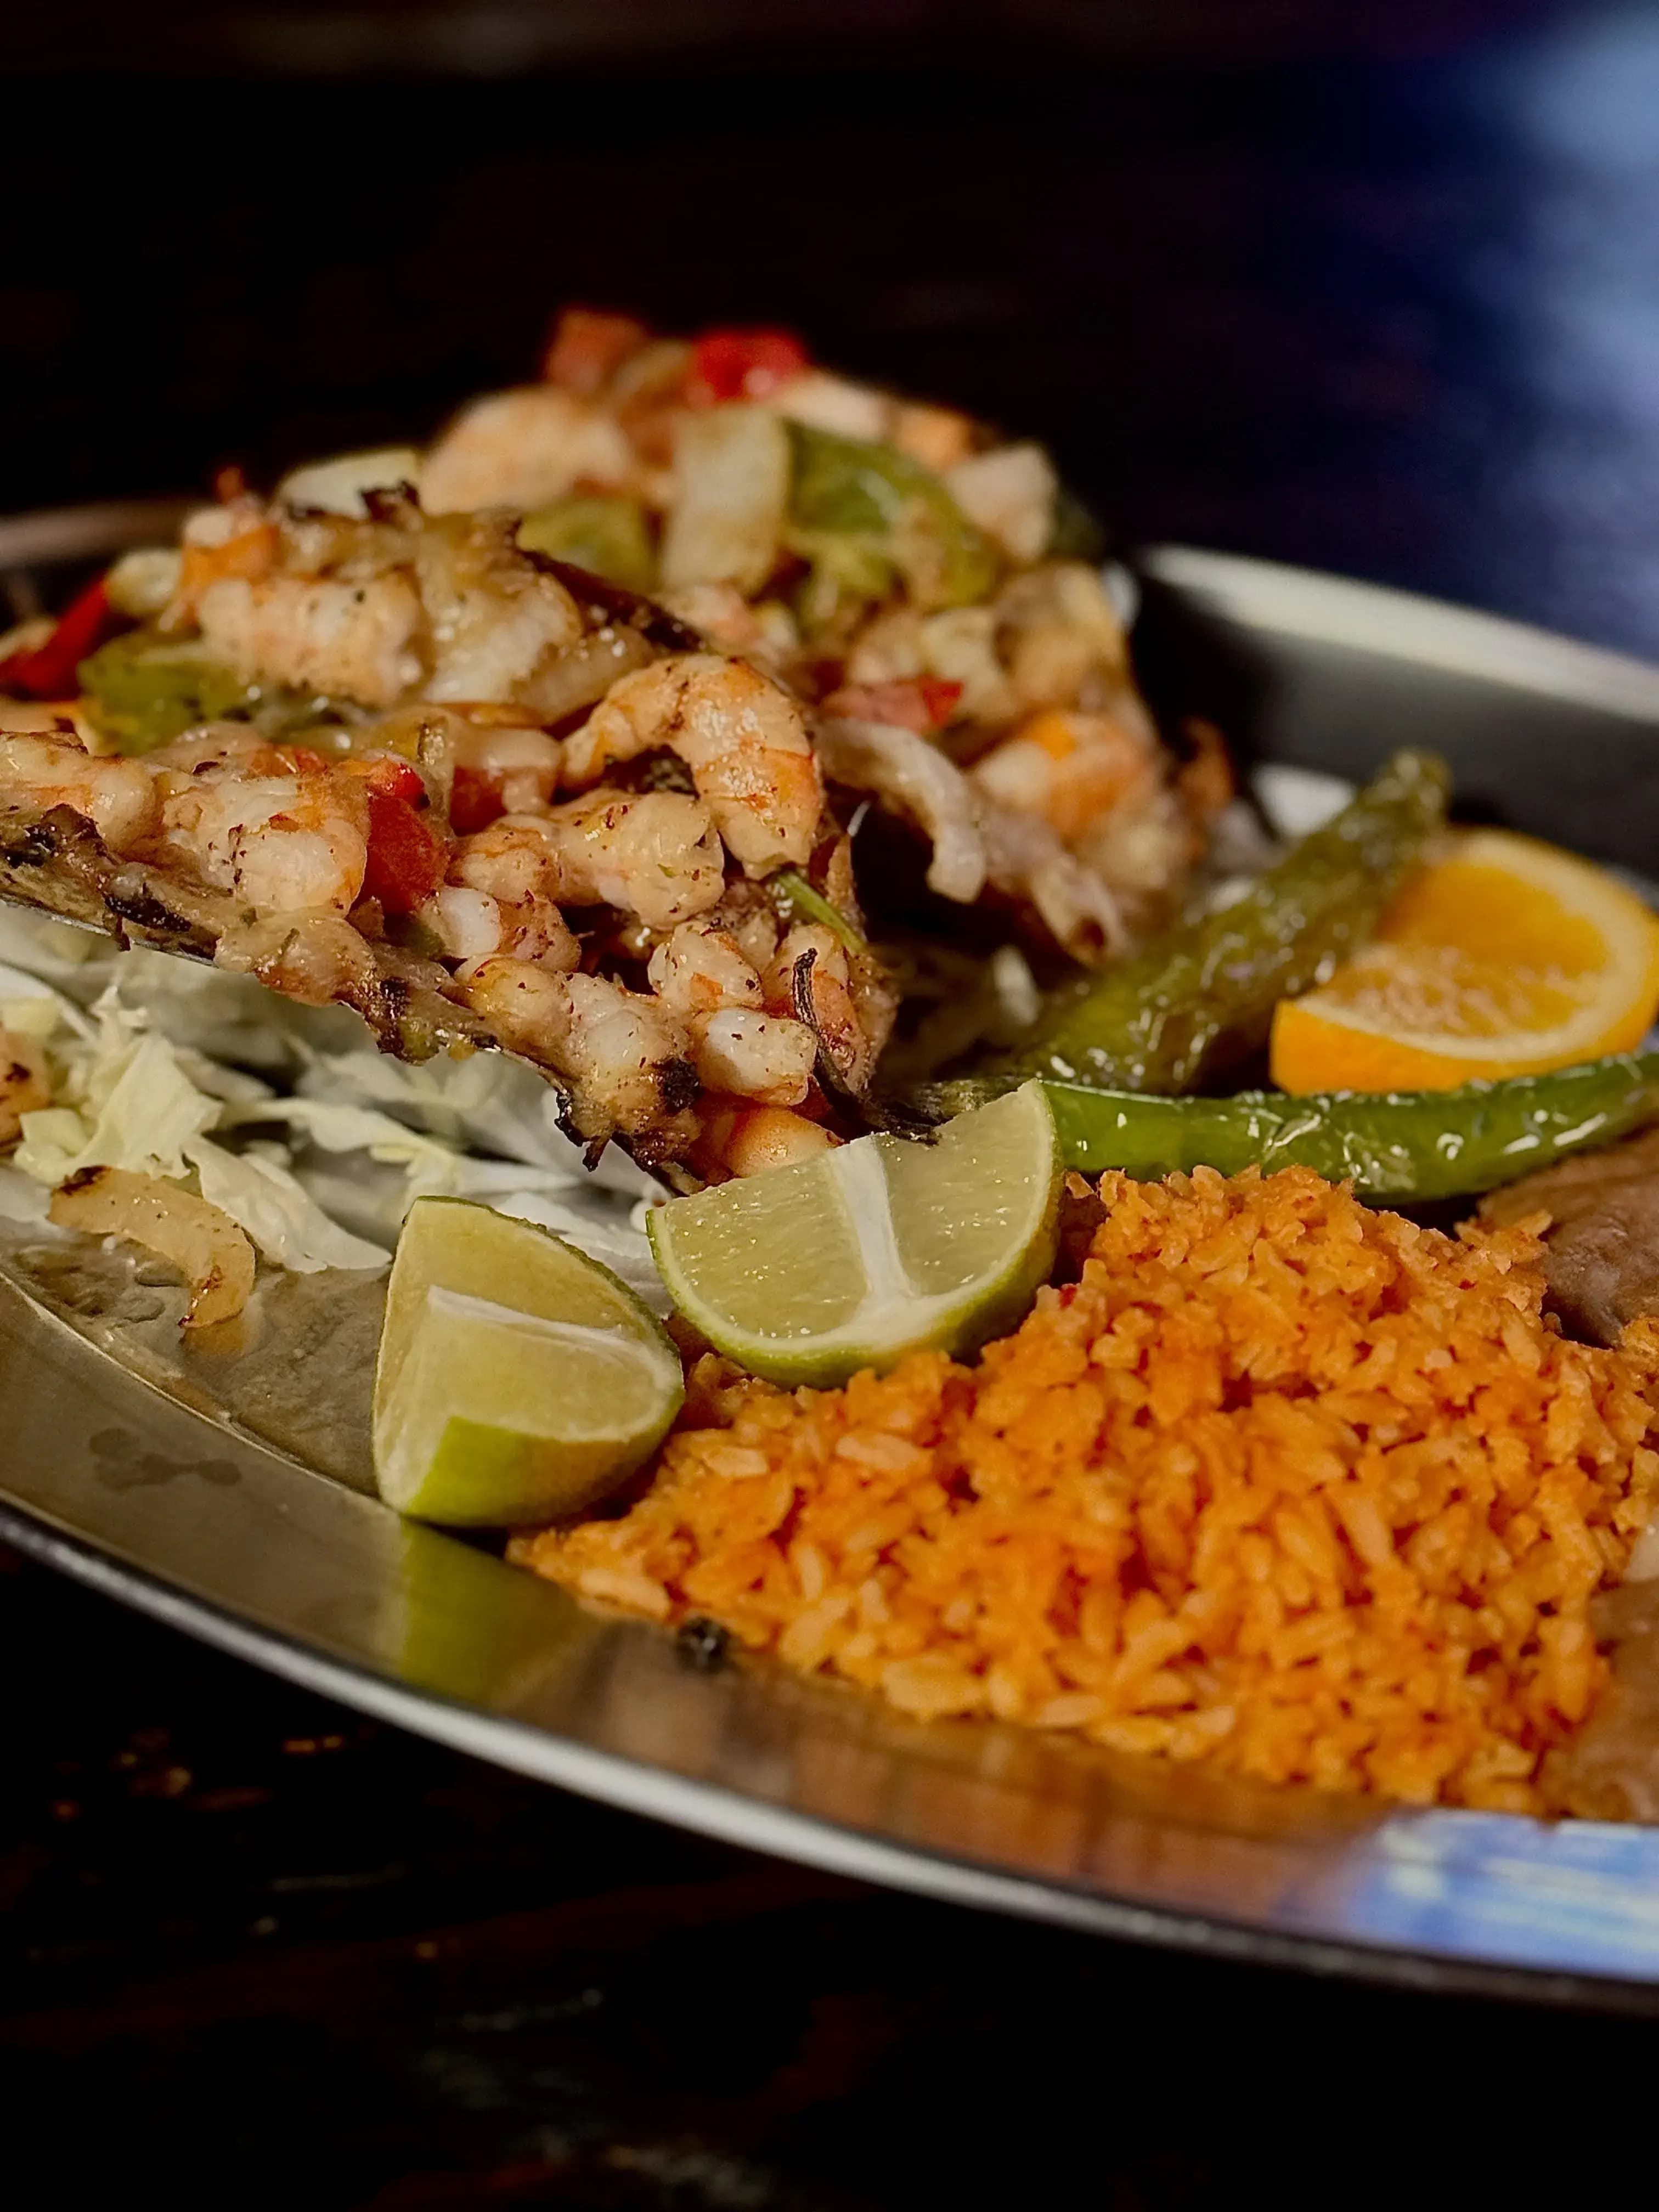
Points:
(1391, 313)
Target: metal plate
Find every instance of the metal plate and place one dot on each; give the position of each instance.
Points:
(181, 1485)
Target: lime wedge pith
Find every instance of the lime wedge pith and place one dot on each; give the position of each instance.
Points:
(517, 1379)
(853, 1257)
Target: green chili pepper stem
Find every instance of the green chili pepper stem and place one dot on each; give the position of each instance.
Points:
(1415, 1145)
(1201, 997)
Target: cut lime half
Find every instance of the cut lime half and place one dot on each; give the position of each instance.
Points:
(853, 1257)
(517, 1379)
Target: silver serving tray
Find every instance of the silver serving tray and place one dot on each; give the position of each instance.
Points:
(225, 1493)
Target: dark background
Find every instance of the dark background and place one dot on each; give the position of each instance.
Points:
(1370, 287)
(1373, 289)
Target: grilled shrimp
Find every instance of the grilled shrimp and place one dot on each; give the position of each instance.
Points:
(119, 797)
(1098, 783)
(351, 640)
(625, 1057)
(699, 970)
(738, 1139)
(738, 1046)
(519, 766)
(493, 616)
(23, 1085)
(218, 745)
(1063, 644)
(1068, 770)
(742, 737)
(509, 877)
(236, 539)
(655, 856)
(523, 449)
(469, 925)
(285, 844)
(828, 981)
(745, 1054)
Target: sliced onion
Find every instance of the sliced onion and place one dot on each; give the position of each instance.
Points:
(916, 778)
(202, 1241)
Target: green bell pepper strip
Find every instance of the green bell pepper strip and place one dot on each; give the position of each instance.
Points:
(1410, 1145)
(143, 688)
(606, 534)
(863, 511)
(1202, 996)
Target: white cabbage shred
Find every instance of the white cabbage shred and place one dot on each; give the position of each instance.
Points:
(150, 1063)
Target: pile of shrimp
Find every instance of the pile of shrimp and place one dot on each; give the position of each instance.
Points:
(1042, 765)
(586, 810)
(598, 897)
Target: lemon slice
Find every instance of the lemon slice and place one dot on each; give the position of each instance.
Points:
(517, 1379)
(1505, 956)
(856, 1256)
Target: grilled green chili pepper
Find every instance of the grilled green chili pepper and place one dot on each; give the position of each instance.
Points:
(863, 514)
(607, 535)
(1410, 1145)
(1203, 996)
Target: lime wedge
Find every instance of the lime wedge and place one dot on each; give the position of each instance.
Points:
(853, 1257)
(517, 1379)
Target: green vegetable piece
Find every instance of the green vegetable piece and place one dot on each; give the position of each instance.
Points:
(867, 511)
(1412, 1144)
(145, 689)
(601, 532)
(1202, 997)
(791, 890)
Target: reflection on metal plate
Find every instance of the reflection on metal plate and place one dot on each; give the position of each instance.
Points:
(225, 1489)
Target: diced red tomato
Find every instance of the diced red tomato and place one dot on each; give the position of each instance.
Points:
(48, 672)
(407, 858)
(922, 703)
(743, 365)
(474, 802)
(588, 346)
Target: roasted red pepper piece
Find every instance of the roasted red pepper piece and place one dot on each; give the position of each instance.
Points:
(48, 672)
(742, 365)
(407, 859)
(474, 802)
